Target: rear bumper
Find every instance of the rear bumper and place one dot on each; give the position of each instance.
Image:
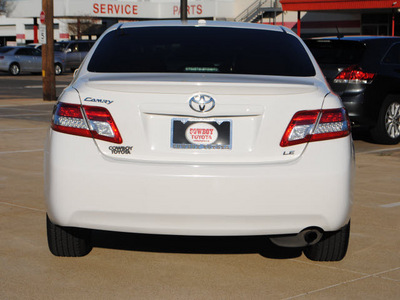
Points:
(356, 106)
(85, 189)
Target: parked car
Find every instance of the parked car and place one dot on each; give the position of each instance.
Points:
(35, 45)
(200, 128)
(365, 72)
(16, 60)
(73, 52)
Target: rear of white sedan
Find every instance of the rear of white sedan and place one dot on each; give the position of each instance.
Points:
(200, 128)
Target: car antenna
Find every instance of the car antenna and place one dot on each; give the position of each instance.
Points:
(339, 35)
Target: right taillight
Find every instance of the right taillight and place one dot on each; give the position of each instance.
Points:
(87, 121)
(354, 74)
(316, 125)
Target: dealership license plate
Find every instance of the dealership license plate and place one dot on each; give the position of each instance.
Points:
(201, 134)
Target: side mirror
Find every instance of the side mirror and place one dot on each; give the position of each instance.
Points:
(69, 50)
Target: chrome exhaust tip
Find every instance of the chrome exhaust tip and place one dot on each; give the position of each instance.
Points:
(311, 236)
(306, 237)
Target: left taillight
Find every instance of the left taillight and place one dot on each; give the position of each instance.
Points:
(86, 121)
(316, 125)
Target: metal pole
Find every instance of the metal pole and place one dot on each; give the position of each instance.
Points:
(49, 80)
(393, 22)
(78, 29)
(298, 23)
(35, 31)
(184, 10)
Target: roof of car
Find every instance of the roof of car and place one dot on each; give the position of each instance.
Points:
(199, 23)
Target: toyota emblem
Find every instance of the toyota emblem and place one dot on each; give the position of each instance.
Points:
(201, 103)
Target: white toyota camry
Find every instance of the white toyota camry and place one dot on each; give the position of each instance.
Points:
(200, 128)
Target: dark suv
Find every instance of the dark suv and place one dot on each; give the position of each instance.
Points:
(365, 72)
(73, 52)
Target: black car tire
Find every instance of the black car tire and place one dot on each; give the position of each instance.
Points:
(332, 246)
(68, 241)
(14, 69)
(58, 69)
(387, 129)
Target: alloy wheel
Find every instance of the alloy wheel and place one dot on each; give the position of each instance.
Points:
(14, 69)
(392, 120)
(57, 69)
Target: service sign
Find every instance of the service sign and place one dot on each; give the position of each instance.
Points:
(125, 9)
(157, 10)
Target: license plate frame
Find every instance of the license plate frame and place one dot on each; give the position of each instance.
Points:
(180, 137)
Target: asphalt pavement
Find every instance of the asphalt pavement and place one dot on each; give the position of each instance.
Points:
(134, 266)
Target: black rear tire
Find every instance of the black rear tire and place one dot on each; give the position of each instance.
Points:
(14, 69)
(332, 246)
(68, 241)
(387, 128)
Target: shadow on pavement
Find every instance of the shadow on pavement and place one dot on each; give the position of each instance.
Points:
(192, 244)
(361, 134)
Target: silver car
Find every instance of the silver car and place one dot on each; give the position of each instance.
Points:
(73, 52)
(16, 60)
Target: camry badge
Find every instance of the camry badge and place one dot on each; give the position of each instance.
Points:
(201, 103)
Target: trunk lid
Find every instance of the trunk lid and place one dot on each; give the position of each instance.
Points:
(158, 124)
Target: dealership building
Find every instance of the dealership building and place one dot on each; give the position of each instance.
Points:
(87, 19)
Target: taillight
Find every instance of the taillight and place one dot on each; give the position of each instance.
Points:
(87, 121)
(1, 57)
(316, 125)
(354, 74)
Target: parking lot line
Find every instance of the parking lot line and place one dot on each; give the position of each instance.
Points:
(20, 206)
(379, 151)
(390, 205)
(345, 282)
(24, 115)
(21, 151)
(22, 129)
(329, 267)
(24, 104)
(19, 108)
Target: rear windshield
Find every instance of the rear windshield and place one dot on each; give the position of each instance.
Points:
(5, 49)
(201, 50)
(336, 51)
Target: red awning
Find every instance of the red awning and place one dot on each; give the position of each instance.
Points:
(306, 5)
